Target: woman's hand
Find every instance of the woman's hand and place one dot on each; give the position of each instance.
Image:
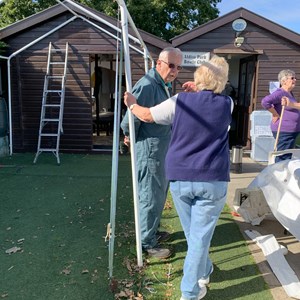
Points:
(142, 113)
(189, 86)
(275, 119)
(129, 99)
(285, 101)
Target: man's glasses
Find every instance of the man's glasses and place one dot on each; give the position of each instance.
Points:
(172, 66)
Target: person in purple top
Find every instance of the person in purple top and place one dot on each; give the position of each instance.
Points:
(197, 163)
(290, 124)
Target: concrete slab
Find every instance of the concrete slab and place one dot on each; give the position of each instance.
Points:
(250, 169)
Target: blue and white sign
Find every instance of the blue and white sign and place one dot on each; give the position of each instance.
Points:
(194, 59)
(273, 86)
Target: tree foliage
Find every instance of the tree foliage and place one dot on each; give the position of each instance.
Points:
(163, 18)
(168, 18)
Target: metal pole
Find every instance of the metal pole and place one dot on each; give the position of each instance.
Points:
(279, 128)
(115, 159)
(124, 24)
(146, 61)
(89, 13)
(95, 25)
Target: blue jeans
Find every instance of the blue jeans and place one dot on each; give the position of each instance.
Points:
(199, 205)
(286, 140)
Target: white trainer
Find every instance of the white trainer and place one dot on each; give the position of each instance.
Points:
(201, 294)
(203, 281)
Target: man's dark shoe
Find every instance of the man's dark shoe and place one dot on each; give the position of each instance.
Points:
(158, 252)
(162, 236)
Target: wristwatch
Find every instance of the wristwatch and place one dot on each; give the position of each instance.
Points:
(132, 106)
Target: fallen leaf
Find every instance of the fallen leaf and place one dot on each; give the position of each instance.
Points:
(139, 297)
(126, 294)
(128, 266)
(66, 271)
(113, 285)
(235, 214)
(13, 250)
(129, 284)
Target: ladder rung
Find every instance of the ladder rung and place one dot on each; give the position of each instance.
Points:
(47, 149)
(53, 91)
(57, 63)
(58, 50)
(55, 76)
(50, 120)
(49, 134)
(52, 105)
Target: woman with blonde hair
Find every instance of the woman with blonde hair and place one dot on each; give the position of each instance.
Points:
(197, 163)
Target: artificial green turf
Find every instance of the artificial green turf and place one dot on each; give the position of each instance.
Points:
(59, 216)
(61, 212)
(235, 275)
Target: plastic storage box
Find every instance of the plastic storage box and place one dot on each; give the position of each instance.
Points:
(261, 146)
(261, 135)
(260, 123)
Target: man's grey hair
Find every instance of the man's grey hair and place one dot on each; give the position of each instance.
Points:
(169, 50)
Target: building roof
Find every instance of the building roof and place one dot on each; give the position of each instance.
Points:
(230, 17)
(58, 9)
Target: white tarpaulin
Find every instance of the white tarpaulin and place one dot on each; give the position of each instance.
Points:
(274, 255)
(280, 184)
(251, 205)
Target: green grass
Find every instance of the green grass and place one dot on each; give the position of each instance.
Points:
(58, 215)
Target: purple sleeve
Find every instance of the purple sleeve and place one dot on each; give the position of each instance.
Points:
(272, 100)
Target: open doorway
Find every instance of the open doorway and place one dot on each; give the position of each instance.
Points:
(103, 83)
(242, 70)
(246, 93)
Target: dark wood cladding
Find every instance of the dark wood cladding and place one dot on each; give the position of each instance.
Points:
(271, 46)
(279, 52)
(267, 49)
(27, 97)
(29, 68)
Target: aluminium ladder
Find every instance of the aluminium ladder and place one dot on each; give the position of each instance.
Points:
(53, 102)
